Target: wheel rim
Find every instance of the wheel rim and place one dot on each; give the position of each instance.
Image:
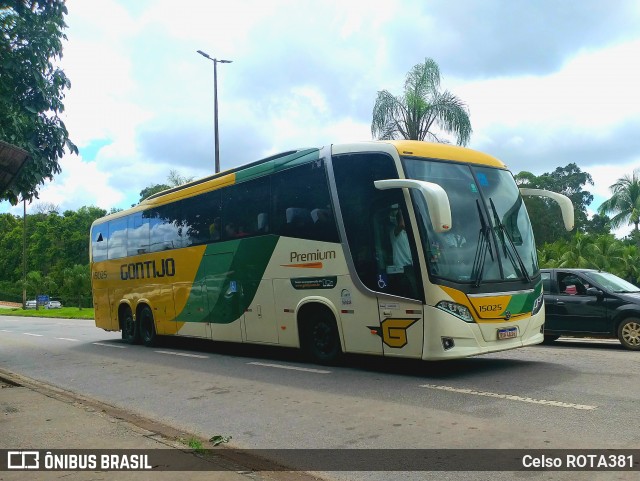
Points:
(631, 333)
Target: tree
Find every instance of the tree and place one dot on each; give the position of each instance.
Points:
(598, 225)
(580, 252)
(38, 284)
(422, 107)
(545, 214)
(77, 283)
(32, 90)
(173, 180)
(608, 253)
(630, 264)
(55, 242)
(548, 257)
(625, 201)
(152, 189)
(46, 208)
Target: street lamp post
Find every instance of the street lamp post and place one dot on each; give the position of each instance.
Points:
(215, 103)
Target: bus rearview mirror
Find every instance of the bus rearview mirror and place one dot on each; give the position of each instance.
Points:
(566, 206)
(434, 195)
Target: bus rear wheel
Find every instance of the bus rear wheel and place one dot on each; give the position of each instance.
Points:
(147, 327)
(320, 338)
(129, 328)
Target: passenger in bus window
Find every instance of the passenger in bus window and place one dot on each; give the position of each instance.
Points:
(231, 231)
(214, 229)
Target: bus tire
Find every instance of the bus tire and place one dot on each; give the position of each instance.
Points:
(130, 333)
(147, 327)
(319, 336)
(629, 333)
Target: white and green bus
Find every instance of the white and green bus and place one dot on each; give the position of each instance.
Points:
(391, 248)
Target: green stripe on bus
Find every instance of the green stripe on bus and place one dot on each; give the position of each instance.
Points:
(521, 303)
(281, 163)
(228, 279)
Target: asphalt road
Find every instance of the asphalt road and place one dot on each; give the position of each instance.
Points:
(572, 395)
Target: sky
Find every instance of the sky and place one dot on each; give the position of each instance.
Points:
(547, 83)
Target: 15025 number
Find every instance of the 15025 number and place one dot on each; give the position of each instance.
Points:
(491, 308)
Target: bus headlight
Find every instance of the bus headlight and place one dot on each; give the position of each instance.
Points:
(457, 310)
(537, 304)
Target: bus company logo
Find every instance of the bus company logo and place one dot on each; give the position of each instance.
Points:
(318, 255)
(148, 269)
(23, 460)
(507, 315)
(394, 331)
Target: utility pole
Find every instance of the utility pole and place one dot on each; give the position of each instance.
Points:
(215, 104)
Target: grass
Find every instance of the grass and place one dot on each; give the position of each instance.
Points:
(64, 313)
(194, 444)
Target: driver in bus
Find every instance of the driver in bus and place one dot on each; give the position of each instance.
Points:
(400, 243)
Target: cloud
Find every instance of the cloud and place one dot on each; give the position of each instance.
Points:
(508, 38)
(543, 150)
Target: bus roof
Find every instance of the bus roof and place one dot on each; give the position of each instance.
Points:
(416, 148)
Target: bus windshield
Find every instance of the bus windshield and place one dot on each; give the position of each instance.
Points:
(490, 238)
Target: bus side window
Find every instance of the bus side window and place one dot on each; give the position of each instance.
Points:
(117, 245)
(99, 237)
(241, 205)
(301, 204)
(298, 221)
(138, 234)
(200, 214)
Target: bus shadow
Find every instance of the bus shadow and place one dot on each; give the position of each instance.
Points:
(455, 368)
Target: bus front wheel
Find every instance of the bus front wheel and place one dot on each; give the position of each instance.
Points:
(147, 327)
(129, 327)
(320, 338)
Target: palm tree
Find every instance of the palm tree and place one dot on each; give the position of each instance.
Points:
(608, 253)
(631, 264)
(580, 252)
(549, 255)
(421, 108)
(625, 201)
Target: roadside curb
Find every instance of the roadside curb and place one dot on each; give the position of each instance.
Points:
(165, 434)
(149, 428)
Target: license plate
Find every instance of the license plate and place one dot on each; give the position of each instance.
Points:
(508, 333)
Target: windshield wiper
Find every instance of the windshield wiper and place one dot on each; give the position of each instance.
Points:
(484, 244)
(509, 252)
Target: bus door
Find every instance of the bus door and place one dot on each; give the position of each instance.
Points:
(401, 317)
(224, 296)
(260, 317)
(164, 312)
(191, 309)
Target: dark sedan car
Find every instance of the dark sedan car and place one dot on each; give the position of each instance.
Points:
(591, 303)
